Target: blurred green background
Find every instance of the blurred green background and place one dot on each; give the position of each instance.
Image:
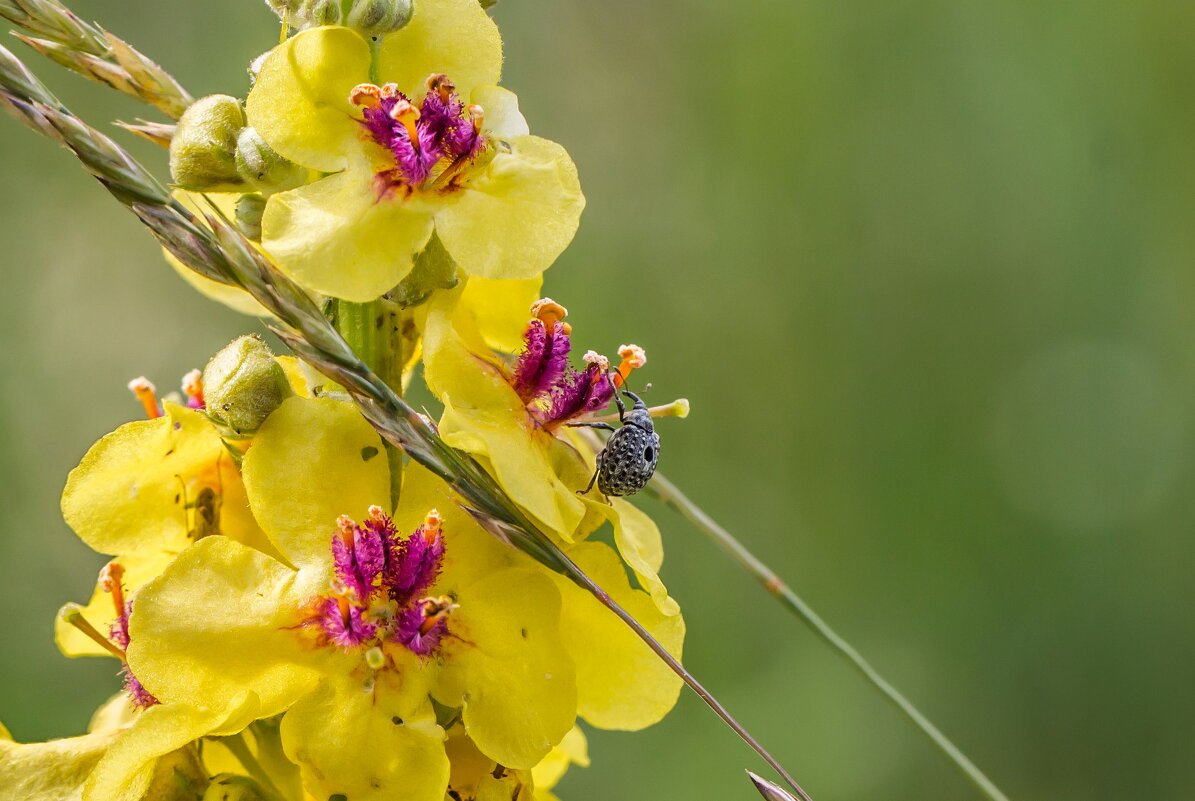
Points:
(924, 270)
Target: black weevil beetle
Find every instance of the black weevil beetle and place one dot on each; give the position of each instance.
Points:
(629, 459)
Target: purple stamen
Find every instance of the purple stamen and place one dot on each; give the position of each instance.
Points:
(359, 556)
(345, 627)
(118, 631)
(441, 131)
(414, 565)
(414, 635)
(543, 362)
(579, 392)
(141, 697)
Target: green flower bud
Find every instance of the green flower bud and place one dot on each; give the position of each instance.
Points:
(323, 12)
(242, 385)
(178, 776)
(203, 150)
(379, 17)
(231, 787)
(262, 167)
(285, 7)
(250, 209)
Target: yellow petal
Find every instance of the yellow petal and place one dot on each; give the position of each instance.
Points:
(50, 771)
(131, 490)
(100, 612)
(515, 217)
(501, 108)
(506, 665)
(455, 37)
(638, 541)
(621, 684)
(336, 237)
(500, 308)
(127, 769)
(115, 714)
(572, 750)
(382, 745)
(313, 460)
(221, 621)
(300, 102)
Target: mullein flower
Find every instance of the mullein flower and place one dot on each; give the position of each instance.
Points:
(436, 147)
(145, 492)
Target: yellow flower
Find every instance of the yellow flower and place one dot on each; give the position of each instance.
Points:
(438, 148)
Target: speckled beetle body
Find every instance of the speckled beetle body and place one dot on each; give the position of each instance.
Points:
(629, 459)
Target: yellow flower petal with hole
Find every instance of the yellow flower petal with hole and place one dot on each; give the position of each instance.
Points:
(572, 750)
(312, 461)
(337, 237)
(455, 37)
(506, 665)
(484, 415)
(300, 101)
(49, 771)
(221, 621)
(500, 308)
(139, 568)
(130, 491)
(382, 745)
(621, 683)
(127, 769)
(518, 214)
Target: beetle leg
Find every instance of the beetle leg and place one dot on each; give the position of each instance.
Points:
(622, 408)
(602, 426)
(596, 470)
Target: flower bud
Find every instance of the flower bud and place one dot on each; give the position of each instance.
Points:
(178, 776)
(323, 12)
(242, 385)
(231, 787)
(250, 209)
(262, 167)
(203, 150)
(379, 17)
(285, 7)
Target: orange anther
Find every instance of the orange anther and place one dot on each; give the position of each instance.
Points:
(147, 393)
(366, 95)
(549, 312)
(633, 357)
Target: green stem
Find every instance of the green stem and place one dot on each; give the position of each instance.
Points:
(240, 749)
(666, 491)
(374, 331)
